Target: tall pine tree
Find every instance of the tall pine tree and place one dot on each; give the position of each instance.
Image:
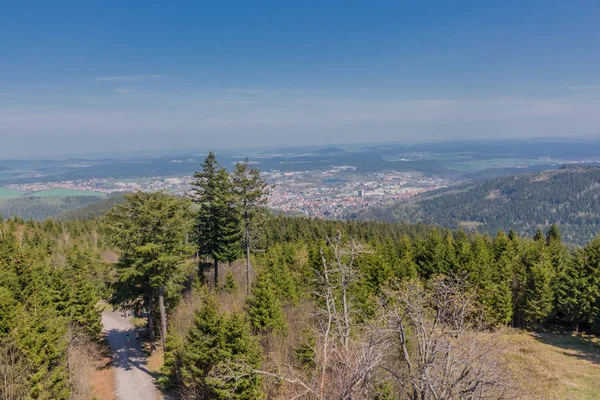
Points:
(150, 231)
(217, 219)
(251, 193)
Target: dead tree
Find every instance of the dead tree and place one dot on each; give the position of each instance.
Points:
(14, 370)
(346, 354)
(443, 352)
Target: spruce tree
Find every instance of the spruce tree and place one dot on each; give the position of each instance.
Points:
(264, 308)
(569, 283)
(215, 346)
(538, 296)
(217, 219)
(150, 231)
(502, 274)
(578, 287)
(430, 257)
(251, 193)
(404, 266)
(241, 356)
(204, 348)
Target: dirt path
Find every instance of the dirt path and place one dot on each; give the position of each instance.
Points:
(132, 378)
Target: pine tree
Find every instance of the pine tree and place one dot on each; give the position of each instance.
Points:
(430, 257)
(405, 267)
(589, 304)
(539, 296)
(216, 346)
(251, 193)
(42, 336)
(82, 307)
(150, 231)
(539, 236)
(578, 287)
(241, 355)
(217, 220)
(264, 308)
(568, 286)
(502, 274)
(561, 265)
(285, 281)
(8, 310)
(205, 347)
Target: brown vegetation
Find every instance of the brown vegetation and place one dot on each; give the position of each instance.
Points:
(90, 370)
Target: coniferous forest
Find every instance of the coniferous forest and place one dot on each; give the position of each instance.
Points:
(243, 304)
(568, 197)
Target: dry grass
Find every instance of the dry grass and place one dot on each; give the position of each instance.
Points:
(555, 366)
(91, 370)
(547, 366)
(156, 360)
(103, 380)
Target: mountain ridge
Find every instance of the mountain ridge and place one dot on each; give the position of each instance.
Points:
(568, 196)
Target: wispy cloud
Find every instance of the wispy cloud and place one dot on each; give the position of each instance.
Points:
(132, 78)
(125, 90)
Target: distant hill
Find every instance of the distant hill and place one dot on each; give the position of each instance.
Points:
(39, 208)
(569, 196)
(92, 210)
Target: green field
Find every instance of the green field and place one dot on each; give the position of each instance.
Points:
(6, 193)
(64, 193)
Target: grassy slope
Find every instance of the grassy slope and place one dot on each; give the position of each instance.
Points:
(556, 366)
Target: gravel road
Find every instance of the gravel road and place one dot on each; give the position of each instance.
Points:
(132, 379)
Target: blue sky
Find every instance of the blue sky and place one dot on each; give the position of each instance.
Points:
(95, 76)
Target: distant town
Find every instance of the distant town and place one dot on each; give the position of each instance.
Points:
(328, 193)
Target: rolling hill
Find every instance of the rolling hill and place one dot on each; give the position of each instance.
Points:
(39, 208)
(569, 197)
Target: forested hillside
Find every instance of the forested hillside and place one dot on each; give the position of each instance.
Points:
(40, 208)
(91, 210)
(569, 197)
(51, 278)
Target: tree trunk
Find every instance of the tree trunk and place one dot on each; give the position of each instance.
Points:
(151, 322)
(163, 317)
(247, 255)
(216, 272)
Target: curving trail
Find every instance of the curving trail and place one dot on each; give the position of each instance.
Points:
(132, 379)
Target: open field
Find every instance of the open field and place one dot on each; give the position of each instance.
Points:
(555, 366)
(64, 193)
(6, 193)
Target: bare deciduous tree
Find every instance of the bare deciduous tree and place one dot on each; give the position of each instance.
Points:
(443, 352)
(14, 370)
(346, 355)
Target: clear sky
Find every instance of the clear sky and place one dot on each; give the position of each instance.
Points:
(95, 76)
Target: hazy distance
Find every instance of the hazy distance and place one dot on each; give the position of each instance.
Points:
(89, 77)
